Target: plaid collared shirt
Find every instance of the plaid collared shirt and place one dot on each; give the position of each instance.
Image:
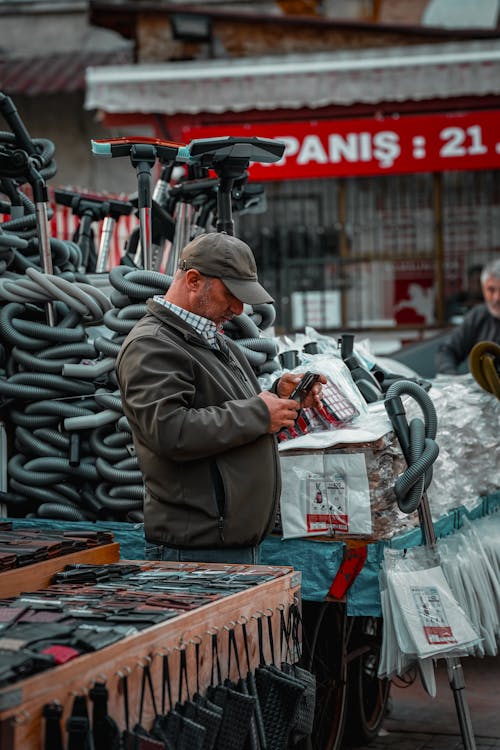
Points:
(203, 326)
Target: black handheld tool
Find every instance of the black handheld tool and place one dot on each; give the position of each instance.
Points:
(304, 386)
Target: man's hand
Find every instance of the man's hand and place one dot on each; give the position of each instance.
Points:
(289, 380)
(282, 411)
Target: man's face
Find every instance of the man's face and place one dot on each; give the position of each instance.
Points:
(491, 293)
(216, 302)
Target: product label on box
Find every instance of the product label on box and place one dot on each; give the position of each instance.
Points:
(325, 495)
(327, 509)
(433, 618)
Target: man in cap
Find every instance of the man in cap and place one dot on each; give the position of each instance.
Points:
(204, 431)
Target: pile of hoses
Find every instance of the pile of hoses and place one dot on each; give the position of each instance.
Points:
(74, 456)
(71, 447)
(484, 364)
(51, 472)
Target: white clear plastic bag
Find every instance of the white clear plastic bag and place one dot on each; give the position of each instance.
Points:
(325, 495)
(341, 401)
(473, 581)
(468, 465)
(428, 621)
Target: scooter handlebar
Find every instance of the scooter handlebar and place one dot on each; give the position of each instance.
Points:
(214, 150)
(164, 150)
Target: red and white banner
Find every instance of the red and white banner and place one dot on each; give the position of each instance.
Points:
(373, 146)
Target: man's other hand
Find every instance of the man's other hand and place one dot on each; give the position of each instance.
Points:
(282, 411)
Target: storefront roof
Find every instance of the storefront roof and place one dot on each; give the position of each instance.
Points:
(55, 73)
(420, 72)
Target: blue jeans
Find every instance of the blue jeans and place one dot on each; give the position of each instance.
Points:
(243, 555)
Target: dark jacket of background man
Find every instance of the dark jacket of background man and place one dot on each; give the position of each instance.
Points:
(477, 325)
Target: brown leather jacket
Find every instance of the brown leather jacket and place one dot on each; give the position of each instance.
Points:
(211, 470)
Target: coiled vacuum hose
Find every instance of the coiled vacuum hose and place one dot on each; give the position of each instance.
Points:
(49, 413)
(260, 352)
(416, 440)
(51, 471)
(75, 451)
(62, 512)
(110, 446)
(139, 284)
(42, 471)
(484, 364)
(54, 359)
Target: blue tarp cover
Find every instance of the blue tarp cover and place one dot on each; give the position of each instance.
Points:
(318, 560)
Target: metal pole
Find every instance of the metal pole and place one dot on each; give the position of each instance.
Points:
(183, 217)
(108, 225)
(457, 684)
(438, 245)
(42, 222)
(343, 249)
(143, 157)
(145, 230)
(453, 664)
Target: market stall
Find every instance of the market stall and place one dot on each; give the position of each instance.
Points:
(154, 637)
(67, 456)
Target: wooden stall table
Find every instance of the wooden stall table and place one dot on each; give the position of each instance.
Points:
(21, 703)
(39, 575)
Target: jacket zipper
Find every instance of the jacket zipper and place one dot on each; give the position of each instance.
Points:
(235, 367)
(221, 528)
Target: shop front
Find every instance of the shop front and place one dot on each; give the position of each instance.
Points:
(388, 191)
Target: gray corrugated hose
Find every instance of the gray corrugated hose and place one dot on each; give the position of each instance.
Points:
(261, 352)
(102, 444)
(417, 440)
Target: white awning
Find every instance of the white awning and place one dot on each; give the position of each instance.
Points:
(343, 78)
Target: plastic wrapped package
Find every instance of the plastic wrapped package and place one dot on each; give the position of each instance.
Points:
(304, 349)
(474, 580)
(488, 530)
(310, 339)
(325, 494)
(468, 464)
(341, 401)
(426, 621)
(357, 476)
(392, 660)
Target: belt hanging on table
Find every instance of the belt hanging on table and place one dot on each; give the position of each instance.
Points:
(176, 729)
(78, 726)
(304, 718)
(138, 738)
(52, 713)
(105, 731)
(252, 690)
(203, 711)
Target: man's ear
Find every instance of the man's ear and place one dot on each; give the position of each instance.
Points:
(193, 279)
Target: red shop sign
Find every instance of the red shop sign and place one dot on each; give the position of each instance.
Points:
(373, 146)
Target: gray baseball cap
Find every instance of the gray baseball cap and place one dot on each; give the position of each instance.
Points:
(229, 259)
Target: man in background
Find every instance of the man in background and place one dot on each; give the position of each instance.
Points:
(481, 323)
